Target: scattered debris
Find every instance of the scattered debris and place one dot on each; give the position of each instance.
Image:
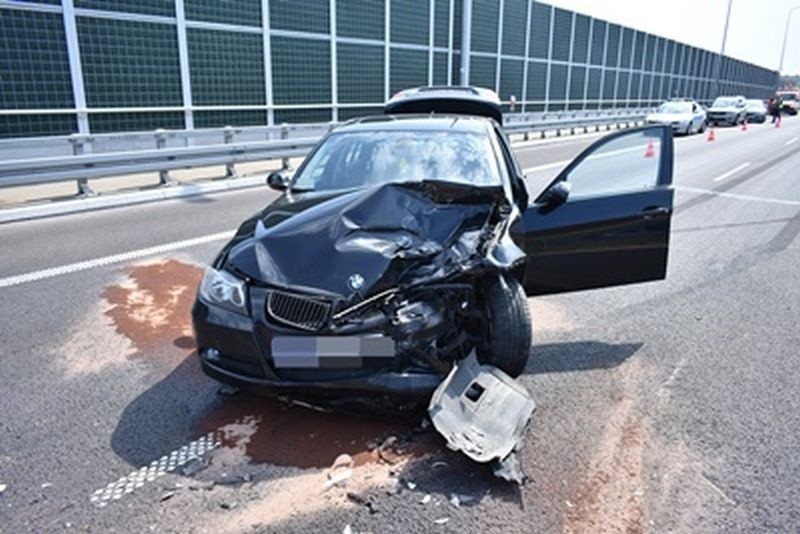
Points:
(367, 503)
(341, 470)
(167, 495)
(3, 488)
(482, 412)
(441, 521)
(228, 505)
(440, 463)
(228, 390)
(411, 485)
(457, 499)
(347, 530)
(46, 485)
(510, 468)
(193, 466)
(426, 499)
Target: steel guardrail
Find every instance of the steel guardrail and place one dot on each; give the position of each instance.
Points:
(97, 156)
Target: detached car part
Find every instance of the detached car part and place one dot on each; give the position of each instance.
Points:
(483, 412)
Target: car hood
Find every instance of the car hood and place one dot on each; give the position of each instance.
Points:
(354, 244)
(725, 110)
(669, 117)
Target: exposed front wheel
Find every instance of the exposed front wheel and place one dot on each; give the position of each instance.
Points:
(509, 331)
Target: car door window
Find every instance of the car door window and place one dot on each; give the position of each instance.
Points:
(627, 163)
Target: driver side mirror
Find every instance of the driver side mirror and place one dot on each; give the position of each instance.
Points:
(278, 180)
(557, 194)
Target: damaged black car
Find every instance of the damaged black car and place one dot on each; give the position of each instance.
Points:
(408, 242)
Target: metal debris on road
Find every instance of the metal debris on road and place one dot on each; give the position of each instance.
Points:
(368, 503)
(483, 412)
(166, 496)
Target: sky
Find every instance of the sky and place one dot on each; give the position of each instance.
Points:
(755, 34)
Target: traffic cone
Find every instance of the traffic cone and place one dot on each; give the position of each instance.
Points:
(711, 135)
(744, 126)
(650, 151)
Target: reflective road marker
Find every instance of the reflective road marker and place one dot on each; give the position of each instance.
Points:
(157, 468)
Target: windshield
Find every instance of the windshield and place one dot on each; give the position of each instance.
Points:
(350, 160)
(755, 104)
(787, 96)
(675, 107)
(725, 102)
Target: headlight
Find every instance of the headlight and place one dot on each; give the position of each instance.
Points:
(222, 289)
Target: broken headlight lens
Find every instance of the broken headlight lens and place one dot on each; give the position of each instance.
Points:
(222, 289)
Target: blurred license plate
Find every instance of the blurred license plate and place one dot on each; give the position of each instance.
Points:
(331, 352)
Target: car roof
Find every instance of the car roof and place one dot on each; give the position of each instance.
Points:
(419, 122)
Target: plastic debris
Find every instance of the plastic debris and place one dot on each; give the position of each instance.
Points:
(411, 485)
(341, 470)
(426, 499)
(441, 521)
(3, 488)
(347, 529)
(167, 495)
(482, 412)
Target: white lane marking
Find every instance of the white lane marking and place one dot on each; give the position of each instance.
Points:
(778, 201)
(601, 155)
(732, 172)
(157, 468)
(791, 141)
(546, 166)
(109, 260)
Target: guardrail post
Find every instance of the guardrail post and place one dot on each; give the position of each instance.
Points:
(230, 169)
(285, 163)
(84, 189)
(164, 179)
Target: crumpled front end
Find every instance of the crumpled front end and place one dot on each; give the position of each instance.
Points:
(370, 290)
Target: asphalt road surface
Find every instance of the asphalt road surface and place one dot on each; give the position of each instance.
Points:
(663, 407)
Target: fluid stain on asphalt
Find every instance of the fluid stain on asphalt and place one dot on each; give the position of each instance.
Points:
(153, 306)
(286, 435)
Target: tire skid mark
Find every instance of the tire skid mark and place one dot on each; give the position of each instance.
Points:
(610, 498)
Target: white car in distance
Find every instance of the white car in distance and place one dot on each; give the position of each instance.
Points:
(685, 116)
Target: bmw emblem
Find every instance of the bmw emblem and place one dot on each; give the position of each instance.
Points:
(356, 281)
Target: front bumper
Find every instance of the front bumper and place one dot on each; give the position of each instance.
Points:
(235, 349)
(723, 118)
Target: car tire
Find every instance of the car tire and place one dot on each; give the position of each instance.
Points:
(702, 127)
(509, 331)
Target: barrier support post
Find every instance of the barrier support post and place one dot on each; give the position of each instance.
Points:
(164, 179)
(84, 189)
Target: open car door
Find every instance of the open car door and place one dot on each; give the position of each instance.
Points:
(605, 219)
